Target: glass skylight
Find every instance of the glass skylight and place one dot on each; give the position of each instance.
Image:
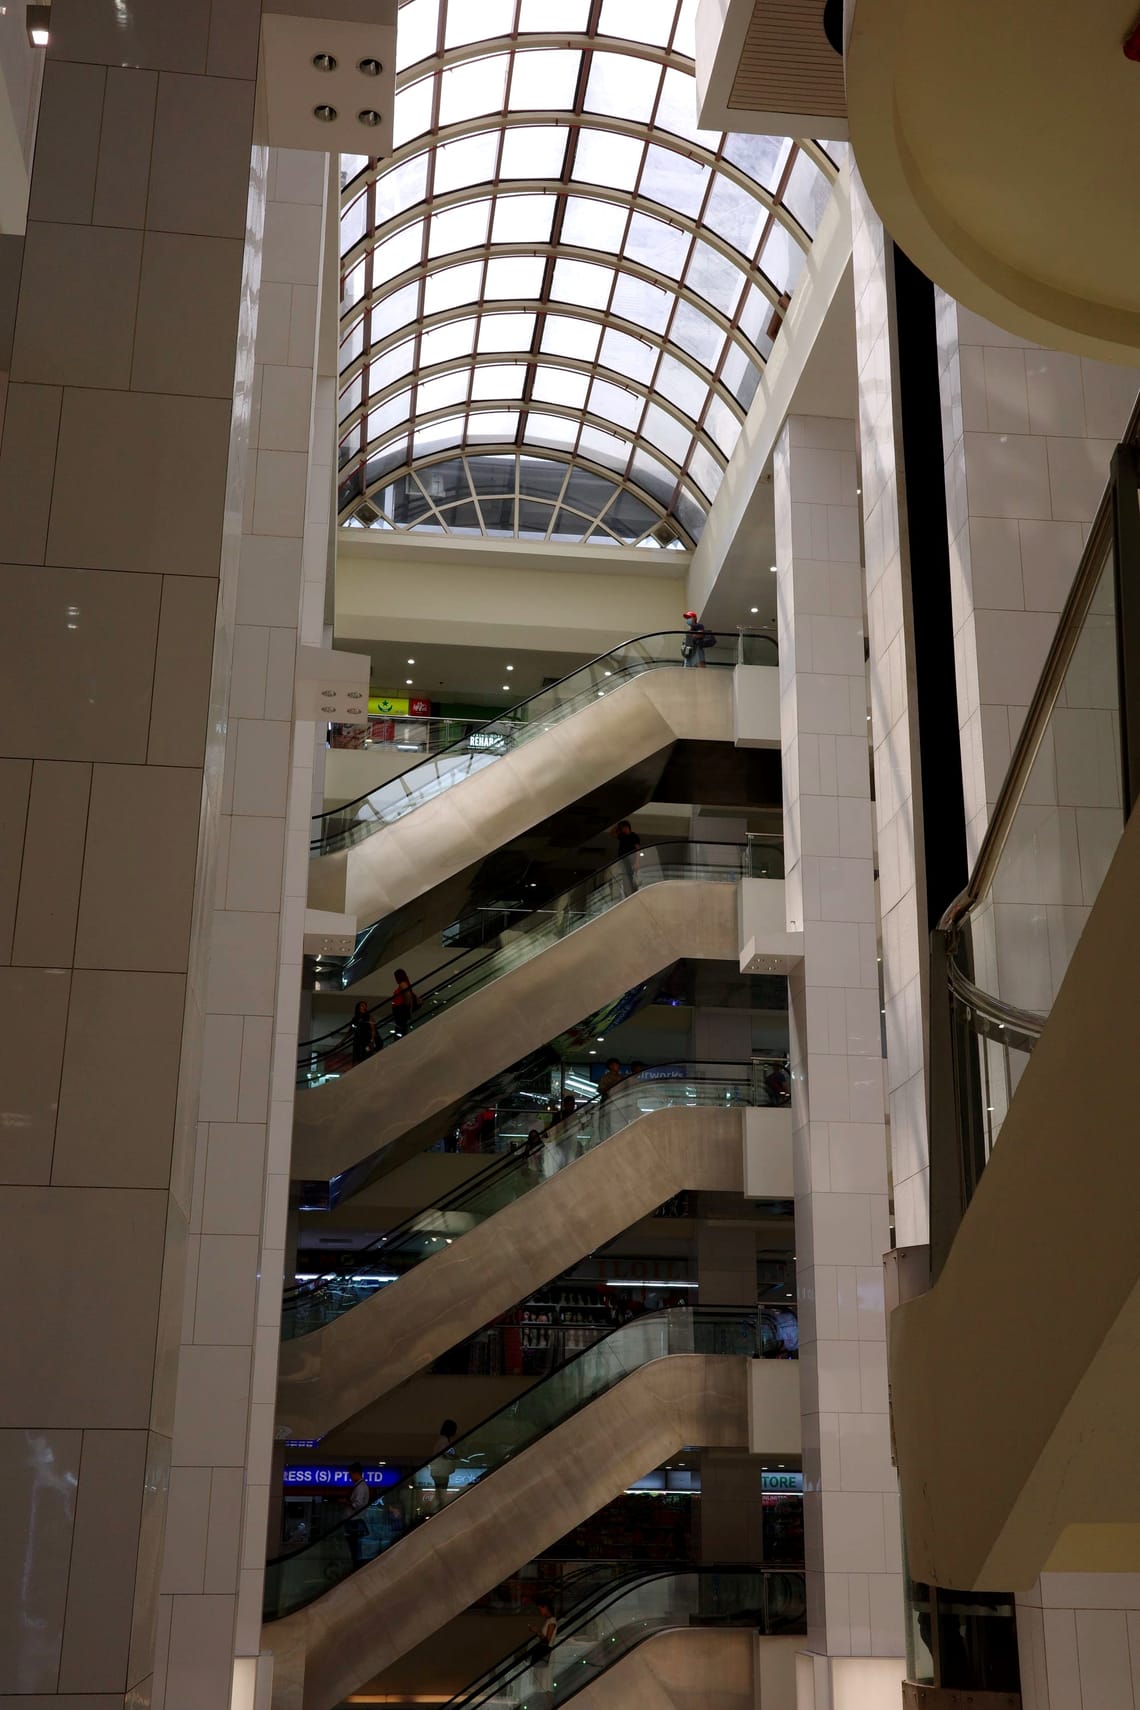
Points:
(558, 292)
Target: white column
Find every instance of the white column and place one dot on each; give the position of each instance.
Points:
(894, 733)
(214, 1556)
(839, 1136)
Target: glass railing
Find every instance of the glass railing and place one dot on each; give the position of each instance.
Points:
(324, 1056)
(293, 1580)
(342, 827)
(356, 1276)
(605, 1622)
(1003, 947)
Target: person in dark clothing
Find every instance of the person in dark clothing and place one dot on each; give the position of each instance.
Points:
(778, 1085)
(612, 1078)
(629, 854)
(696, 640)
(404, 1003)
(363, 1031)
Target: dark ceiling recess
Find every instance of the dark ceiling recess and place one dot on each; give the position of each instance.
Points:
(833, 24)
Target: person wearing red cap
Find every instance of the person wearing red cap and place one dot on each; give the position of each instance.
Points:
(697, 638)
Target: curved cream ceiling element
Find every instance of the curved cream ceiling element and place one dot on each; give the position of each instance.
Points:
(558, 291)
(996, 143)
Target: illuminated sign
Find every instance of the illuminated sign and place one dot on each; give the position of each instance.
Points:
(336, 1478)
(782, 1483)
(398, 706)
(486, 739)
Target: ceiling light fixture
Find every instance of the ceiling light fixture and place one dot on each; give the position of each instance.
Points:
(754, 609)
(370, 67)
(38, 19)
(324, 113)
(510, 667)
(408, 681)
(411, 661)
(324, 61)
(506, 687)
(772, 568)
(369, 116)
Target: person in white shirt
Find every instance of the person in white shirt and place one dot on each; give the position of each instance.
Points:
(357, 1500)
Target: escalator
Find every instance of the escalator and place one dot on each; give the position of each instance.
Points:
(348, 1603)
(598, 939)
(545, 753)
(606, 1622)
(388, 1311)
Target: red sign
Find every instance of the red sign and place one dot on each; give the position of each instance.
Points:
(419, 709)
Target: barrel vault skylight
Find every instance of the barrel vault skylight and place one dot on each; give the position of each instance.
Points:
(558, 292)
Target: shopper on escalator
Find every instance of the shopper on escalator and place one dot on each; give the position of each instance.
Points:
(357, 1500)
(404, 1003)
(612, 1078)
(697, 638)
(365, 1039)
(546, 1637)
(629, 854)
(443, 1461)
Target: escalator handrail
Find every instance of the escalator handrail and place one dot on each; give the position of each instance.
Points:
(696, 1314)
(593, 881)
(504, 1164)
(570, 1621)
(510, 714)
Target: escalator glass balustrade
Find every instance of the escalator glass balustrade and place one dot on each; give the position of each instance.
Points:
(294, 1580)
(360, 1274)
(322, 1057)
(340, 828)
(606, 1621)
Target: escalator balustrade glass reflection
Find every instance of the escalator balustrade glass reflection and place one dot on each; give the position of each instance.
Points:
(298, 1578)
(604, 1621)
(322, 1057)
(342, 827)
(360, 1274)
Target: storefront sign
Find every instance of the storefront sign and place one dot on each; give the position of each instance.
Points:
(337, 1477)
(782, 1483)
(398, 706)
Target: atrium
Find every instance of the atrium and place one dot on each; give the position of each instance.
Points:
(568, 903)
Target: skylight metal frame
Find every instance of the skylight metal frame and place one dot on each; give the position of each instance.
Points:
(368, 458)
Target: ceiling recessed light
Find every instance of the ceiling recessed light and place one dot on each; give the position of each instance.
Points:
(772, 568)
(754, 609)
(510, 667)
(324, 113)
(369, 116)
(324, 61)
(408, 681)
(370, 67)
(506, 686)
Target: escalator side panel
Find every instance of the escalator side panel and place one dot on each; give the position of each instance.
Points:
(710, 1666)
(364, 1623)
(346, 1120)
(328, 1376)
(505, 799)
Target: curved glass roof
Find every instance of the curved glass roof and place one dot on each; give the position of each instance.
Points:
(558, 292)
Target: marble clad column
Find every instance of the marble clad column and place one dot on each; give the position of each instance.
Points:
(839, 1137)
(121, 468)
(894, 732)
(214, 1554)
